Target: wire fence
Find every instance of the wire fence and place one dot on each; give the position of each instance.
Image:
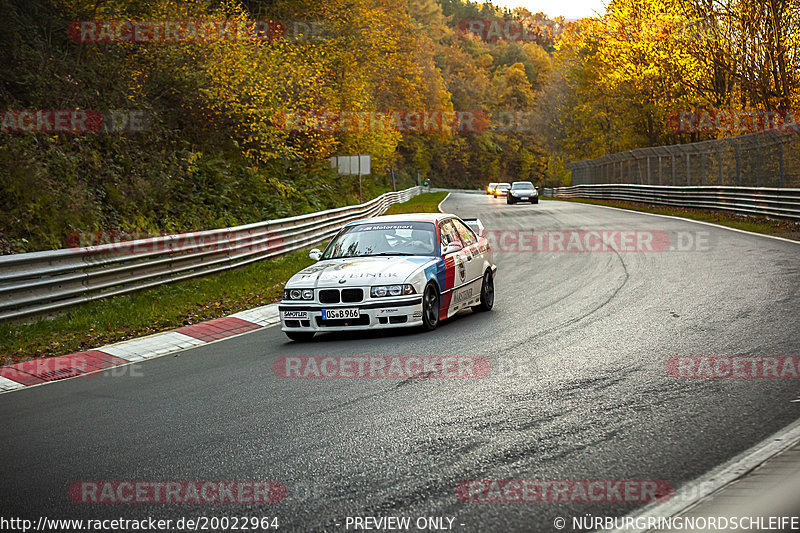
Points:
(763, 159)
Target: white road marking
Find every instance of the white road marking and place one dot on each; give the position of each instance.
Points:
(439, 207)
(9, 384)
(151, 346)
(693, 492)
(691, 220)
(263, 316)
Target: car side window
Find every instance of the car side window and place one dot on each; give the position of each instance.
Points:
(467, 237)
(448, 234)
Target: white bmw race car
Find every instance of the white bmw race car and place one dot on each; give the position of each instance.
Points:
(391, 271)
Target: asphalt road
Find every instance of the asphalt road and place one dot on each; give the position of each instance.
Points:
(582, 340)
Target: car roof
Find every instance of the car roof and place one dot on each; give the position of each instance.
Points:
(405, 217)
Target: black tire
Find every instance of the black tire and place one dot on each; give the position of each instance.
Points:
(509, 201)
(487, 293)
(535, 201)
(300, 336)
(430, 307)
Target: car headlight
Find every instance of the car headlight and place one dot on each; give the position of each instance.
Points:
(382, 291)
(298, 294)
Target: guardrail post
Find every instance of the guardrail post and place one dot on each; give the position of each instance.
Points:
(757, 165)
(674, 177)
(702, 168)
(660, 169)
(780, 161)
(738, 165)
(688, 169)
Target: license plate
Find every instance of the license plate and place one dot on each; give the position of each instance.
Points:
(295, 315)
(333, 314)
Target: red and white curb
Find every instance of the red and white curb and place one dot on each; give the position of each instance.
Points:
(39, 371)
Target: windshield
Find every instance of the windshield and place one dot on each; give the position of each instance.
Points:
(388, 238)
(522, 185)
(503, 186)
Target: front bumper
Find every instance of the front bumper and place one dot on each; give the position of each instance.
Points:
(530, 198)
(373, 314)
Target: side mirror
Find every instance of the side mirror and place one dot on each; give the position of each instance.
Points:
(315, 254)
(452, 247)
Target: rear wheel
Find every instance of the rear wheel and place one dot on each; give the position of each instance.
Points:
(430, 307)
(300, 336)
(487, 293)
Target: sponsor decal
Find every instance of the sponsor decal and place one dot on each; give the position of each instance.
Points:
(295, 314)
(382, 227)
(463, 295)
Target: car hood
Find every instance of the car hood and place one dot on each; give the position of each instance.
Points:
(358, 271)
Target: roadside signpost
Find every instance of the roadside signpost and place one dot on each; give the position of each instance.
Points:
(348, 165)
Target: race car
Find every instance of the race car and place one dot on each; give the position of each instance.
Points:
(501, 189)
(410, 270)
(490, 188)
(522, 191)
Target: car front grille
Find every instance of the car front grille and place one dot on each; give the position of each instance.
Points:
(352, 295)
(333, 296)
(329, 296)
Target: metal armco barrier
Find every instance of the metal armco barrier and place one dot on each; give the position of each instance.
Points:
(763, 201)
(43, 282)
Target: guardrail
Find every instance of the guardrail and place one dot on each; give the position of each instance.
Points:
(43, 282)
(763, 201)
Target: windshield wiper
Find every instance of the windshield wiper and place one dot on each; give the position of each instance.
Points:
(394, 253)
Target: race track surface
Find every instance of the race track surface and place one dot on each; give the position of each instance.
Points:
(578, 343)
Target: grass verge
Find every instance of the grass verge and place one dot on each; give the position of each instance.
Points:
(167, 307)
(424, 203)
(777, 227)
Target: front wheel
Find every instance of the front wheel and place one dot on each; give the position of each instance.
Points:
(430, 307)
(300, 336)
(535, 201)
(487, 293)
(509, 201)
